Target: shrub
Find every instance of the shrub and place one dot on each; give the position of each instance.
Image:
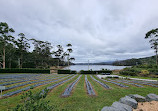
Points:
(103, 71)
(129, 71)
(95, 72)
(86, 72)
(66, 72)
(155, 66)
(153, 71)
(25, 70)
(147, 66)
(33, 102)
(63, 71)
(73, 72)
(112, 77)
(144, 72)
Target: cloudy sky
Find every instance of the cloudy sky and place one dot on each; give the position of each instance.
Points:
(99, 30)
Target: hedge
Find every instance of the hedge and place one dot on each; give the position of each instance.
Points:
(86, 72)
(66, 72)
(83, 72)
(45, 71)
(153, 71)
(130, 72)
(95, 72)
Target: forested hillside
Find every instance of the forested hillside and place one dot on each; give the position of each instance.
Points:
(139, 61)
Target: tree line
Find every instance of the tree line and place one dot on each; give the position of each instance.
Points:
(15, 53)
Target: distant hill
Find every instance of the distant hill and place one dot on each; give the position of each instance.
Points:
(128, 62)
(134, 61)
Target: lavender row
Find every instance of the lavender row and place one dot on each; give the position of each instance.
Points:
(144, 83)
(29, 87)
(18, 77)
(70, 87)
(128, 82)
(11, 76)
(26, 80)
(55, 85)
(118, 84)
(19, 85)
(141, 82)
(89, 87)
(104, 85)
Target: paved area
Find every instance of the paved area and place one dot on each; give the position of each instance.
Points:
(105, 76)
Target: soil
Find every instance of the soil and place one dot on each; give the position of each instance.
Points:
(147, 106)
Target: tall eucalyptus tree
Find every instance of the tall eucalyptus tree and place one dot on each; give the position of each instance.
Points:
(153, 36)
(22, 47)
(59, 54)
(5, 38)
(69, 50)
(71, 59)
(10, 54)
(42, 52)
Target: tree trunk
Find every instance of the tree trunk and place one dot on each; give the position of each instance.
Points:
(10, 63)
(156, 59)
(68, 61)
(21, 60)
(156, 56)
(4, 57)
(35, 61)
(1, 65)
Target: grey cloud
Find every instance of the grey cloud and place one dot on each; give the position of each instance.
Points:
(99, 30)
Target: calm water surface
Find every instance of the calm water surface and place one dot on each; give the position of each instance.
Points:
(94, 67)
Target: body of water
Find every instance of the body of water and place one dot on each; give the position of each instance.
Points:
(94, 67)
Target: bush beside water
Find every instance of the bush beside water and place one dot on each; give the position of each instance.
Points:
(129, 71)
(141, 70)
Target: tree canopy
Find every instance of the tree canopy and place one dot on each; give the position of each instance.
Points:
(153, 36)
(29, 53)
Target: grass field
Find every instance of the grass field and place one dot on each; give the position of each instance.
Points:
(79, 100)
(140, 77)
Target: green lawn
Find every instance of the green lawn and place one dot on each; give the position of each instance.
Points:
(79, 100)
(140, 77)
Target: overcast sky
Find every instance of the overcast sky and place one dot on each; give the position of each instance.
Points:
(99, 30)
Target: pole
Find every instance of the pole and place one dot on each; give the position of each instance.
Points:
(156, 56)
(68, 61)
